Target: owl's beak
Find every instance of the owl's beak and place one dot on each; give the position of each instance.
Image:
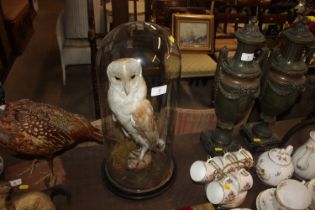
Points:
(126, 87)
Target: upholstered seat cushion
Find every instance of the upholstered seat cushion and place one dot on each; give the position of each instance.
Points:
(197, 65)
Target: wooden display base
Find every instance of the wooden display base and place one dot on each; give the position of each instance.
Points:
(258, 144)
(34, 181)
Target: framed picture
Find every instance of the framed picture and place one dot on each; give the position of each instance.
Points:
(193, 32)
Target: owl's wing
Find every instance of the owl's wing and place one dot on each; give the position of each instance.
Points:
(143, 121)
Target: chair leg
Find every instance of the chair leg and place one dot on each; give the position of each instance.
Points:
(63, 67)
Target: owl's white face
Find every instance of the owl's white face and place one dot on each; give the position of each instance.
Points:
(124, 74)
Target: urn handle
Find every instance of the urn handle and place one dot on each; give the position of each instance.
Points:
(263, 55)
(223, 56)
(309, 54)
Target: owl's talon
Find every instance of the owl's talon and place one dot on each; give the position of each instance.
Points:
(134, 163)
(125, 132)
(114, 118)
(134, 155)
(161, 145)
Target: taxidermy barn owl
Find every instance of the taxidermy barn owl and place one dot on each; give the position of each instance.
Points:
(127, 101)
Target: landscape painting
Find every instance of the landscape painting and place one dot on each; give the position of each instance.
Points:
(193, 32)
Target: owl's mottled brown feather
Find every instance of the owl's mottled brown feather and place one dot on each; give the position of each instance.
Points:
(41, 129)
(144, 122)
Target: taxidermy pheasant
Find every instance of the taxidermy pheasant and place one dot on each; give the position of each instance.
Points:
(42, 130)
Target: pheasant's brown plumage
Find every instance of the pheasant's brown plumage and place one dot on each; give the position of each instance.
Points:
(42, 130)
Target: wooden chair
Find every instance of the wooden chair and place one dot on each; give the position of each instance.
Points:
(18, 16)
(272, 20)
(130, 10)
(229, 16)
(162, 10)
(16, 30)
(7, 55)
(121, 11)
(196, 62)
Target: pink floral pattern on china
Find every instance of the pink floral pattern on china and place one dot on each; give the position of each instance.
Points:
(275, 165)
(231, 196)
(246, 187)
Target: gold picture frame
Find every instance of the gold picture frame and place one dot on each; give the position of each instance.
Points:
(193, 32)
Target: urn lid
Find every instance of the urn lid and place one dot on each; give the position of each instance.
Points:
(281, 156)
(293, 194)
(299, 33)
(250, 34)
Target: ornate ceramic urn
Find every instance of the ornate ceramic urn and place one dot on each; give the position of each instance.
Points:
(285, 78)
(282, 82)
(237, 84)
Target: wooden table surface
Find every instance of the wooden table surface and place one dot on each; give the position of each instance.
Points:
(84, 179)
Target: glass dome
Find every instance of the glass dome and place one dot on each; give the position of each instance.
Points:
(138, 67)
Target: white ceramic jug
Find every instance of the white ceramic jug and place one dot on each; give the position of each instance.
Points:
(304, 159)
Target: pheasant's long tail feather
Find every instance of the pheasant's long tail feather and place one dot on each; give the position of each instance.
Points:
(95, 129)
(98, 136)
